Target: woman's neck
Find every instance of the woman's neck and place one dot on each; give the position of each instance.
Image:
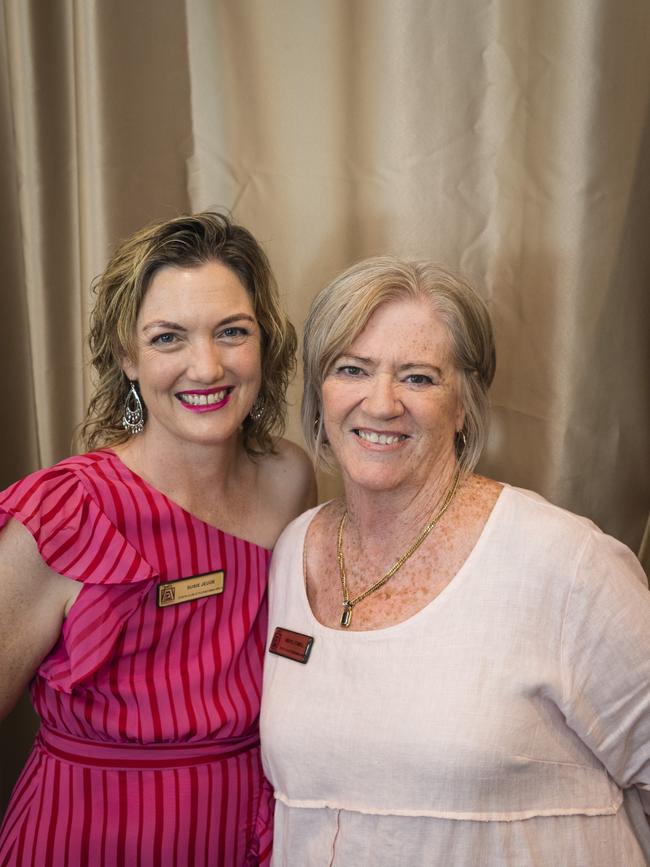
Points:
(400, 512)
(185, 471)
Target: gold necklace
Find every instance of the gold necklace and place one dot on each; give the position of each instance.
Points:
(349, 604)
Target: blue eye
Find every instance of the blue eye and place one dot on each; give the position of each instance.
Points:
(165, 339)
(349, 370)
(419, 379)
(234, 331)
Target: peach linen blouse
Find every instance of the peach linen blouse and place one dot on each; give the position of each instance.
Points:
(507, 723)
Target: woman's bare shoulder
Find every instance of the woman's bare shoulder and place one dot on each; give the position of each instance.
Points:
(288, 480)
(35, 599)
(19, 553)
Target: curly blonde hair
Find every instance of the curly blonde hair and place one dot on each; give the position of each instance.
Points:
(186, 241)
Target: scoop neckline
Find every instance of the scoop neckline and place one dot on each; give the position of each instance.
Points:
(117, 459)
(438, 601)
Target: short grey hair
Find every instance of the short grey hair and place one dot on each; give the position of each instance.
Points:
(341, 311)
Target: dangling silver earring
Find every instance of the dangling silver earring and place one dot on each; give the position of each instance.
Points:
(461, 440)
(133, 418)
(257, 409)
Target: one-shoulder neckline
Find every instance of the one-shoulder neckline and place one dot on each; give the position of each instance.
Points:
(113, 456)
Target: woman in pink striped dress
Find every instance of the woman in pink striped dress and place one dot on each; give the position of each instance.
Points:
(133, 577)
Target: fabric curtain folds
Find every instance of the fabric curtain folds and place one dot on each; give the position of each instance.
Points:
(506, 139)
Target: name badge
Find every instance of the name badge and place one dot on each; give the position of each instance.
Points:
(292, 645)
(187, 589)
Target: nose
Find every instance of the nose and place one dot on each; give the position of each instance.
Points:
(382, 397)
(206, 362)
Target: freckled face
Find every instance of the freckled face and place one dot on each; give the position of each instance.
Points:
(391, 404)
(198, 358)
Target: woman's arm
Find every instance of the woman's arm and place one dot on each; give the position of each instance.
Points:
(606, 662)
(33, 603)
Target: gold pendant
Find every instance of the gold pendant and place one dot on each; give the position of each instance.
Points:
(346, 616)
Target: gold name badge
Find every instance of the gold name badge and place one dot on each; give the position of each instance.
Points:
(187, 589)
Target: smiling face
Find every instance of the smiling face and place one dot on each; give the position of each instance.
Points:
(391, 403)
(198, 354)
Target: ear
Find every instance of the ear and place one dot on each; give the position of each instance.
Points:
(460, 417)
(130, 368)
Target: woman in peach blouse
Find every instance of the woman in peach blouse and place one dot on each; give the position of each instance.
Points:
(458, 670)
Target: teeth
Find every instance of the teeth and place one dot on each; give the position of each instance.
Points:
(203, 399)
(383, 439)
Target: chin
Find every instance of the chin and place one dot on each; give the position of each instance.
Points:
(210, 437)
(375, 481)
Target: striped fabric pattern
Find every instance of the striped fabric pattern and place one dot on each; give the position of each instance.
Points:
(149, 749)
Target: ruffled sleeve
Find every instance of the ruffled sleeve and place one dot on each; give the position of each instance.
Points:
(76, 539)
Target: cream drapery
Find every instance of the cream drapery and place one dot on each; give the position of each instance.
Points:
(508, 139)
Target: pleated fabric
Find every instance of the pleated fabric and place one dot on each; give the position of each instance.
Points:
(148, 752)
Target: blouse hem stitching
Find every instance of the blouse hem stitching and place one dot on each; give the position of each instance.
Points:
(457, 815)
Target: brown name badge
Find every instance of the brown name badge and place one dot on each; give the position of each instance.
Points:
(188, 589)
(293, 645)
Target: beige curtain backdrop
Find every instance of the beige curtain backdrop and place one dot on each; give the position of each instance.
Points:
(506, 138)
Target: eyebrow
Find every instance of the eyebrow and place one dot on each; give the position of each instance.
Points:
(420, 364)
(164, 323)
(408, 366)
(359, 358)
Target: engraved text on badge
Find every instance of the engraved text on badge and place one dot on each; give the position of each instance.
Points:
(187, 589)
(293, 645)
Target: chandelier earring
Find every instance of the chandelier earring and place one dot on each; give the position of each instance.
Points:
(257, 410)
(133, 418)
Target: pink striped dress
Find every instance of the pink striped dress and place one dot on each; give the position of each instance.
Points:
(148, 751)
